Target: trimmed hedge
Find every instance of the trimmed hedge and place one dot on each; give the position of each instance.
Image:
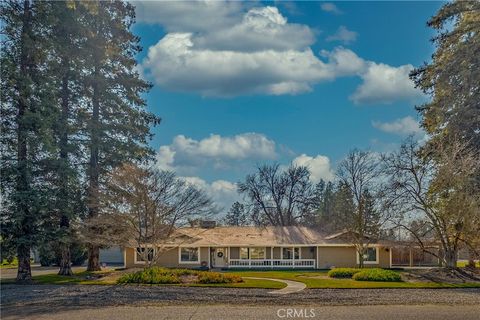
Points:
(343, 272)
(377, 275)
(157, 275)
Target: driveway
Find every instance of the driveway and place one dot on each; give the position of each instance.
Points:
(218, 312)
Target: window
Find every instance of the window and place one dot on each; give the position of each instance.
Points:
(140, 255)
(257, 253)
(252, 253)
(370, 256)
(288, 253)
(189, 255)
(244, 253)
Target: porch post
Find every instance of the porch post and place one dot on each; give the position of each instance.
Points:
(271, 257)
(293, 260)
(316, 259)
(390, 257)
(209, 258)
(228, 257)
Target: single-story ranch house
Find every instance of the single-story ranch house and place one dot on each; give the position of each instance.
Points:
(259, 247)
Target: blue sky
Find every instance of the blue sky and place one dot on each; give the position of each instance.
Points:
(244, 83)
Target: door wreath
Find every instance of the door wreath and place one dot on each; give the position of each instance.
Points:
(220, 254)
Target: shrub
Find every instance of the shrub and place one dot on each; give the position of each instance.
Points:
(216, 277)
(158, 275)
(343, 272)
(181, 272)
(377, 275)
(153, 275)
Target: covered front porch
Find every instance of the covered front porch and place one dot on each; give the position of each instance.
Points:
(291, 257)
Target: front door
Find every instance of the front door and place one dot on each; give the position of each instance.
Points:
(220, 257)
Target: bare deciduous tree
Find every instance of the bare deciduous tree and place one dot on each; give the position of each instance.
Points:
(279, 197)
(359, 174)
(439, 186)
(145, 206)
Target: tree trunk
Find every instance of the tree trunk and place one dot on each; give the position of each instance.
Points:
(93, 250)
(65, 261)
(93, 258)
(23, 180)
(471, 259)
(451, 258)
(24, 273)
(361, 258)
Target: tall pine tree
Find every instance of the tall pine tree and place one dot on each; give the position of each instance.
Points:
(452, 78)
(26, 121)
(117, 123)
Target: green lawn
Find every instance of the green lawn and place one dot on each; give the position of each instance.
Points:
(80, 278)
(311, 280)
(463, 264)
(5, 264)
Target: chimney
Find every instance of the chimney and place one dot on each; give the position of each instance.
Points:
(205, 224)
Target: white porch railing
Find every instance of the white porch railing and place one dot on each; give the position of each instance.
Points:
(272, 263)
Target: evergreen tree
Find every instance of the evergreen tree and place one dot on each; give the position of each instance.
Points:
(452, 77)
(237, 215)
(117, 124)
(25, 126)
(325, 218)
(66, 69)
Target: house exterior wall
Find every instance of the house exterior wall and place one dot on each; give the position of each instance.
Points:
(307, 252)
(346, 257)
(340, 257)
(169, 258)
(384, 257)
(328, 257)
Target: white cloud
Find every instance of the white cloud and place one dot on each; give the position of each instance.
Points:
(385, 84)
(260, 29)
(263, 53)
(319, 167)
(223, 193)
(177, 65)
(256, 51)
(343, 35)
(330, 7)
(186, 16)
(404, 126)
(215, 149)
(344, 62)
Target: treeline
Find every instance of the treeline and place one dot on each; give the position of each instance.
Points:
(72, 110)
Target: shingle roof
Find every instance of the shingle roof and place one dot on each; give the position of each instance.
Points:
(248, 236)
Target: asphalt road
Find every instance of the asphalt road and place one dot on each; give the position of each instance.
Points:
(229, 312)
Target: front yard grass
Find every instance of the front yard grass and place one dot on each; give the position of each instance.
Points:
(312, 279)
(320, 279)
(111, 277)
